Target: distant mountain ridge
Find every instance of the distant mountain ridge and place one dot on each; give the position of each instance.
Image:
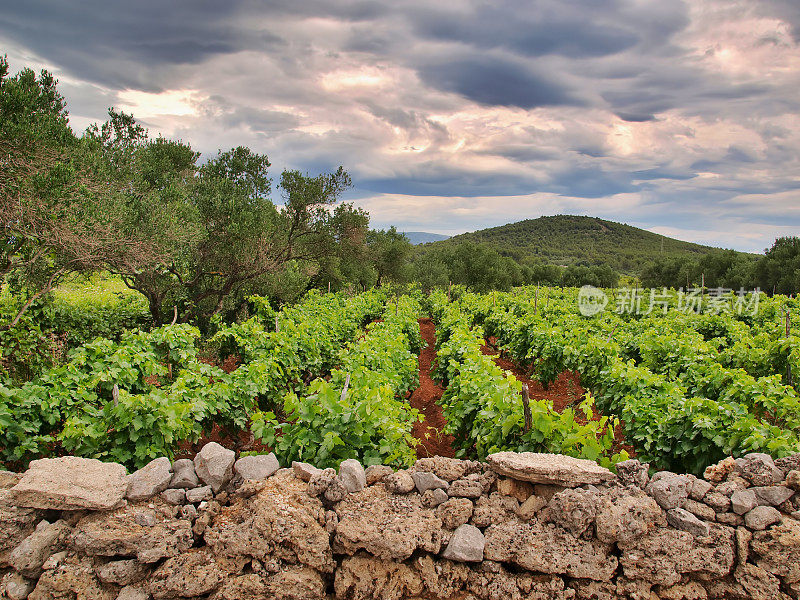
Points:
(423, 237)
(570, 239)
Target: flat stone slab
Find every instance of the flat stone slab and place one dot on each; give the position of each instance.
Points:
(554, 469)
(71, 483)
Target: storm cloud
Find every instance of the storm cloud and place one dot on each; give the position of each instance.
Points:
(681, 117)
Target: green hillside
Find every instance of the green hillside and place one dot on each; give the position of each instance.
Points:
(567, 239)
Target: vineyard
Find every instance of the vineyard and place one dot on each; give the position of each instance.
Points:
(330, 378)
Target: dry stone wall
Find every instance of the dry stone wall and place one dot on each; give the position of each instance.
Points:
(521, 526)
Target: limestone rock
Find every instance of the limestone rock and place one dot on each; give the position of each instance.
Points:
(730, 518)
(183, 475)
(119, 534)
(623, 517)
(174, 496)
(700, 510)
(547, 548)
(719, 502)
(280, 520)
(772, 495)
(304, 471)
(494, 509)
(668, 489)
(466, 545)
(194, 573)
(256, 467)
(121, 572)
(16, 587)
(75, 578)
(352, 475)
(572, 509)
(387, 526)
(455, 512)
(433, 498)
(762, 517)
(633, 472)
(465, 488)
(34, 550)
(17, 524)
(321, 481)
(759, 469)
(199, 494)
(424, 480)
(9, 479)
(150, 480)
(743, 501)
(214, 465)
(336, 491)
(521, 490)
(132, 592)
(662, 556)
(443, 467)
(789, 463)
(365, 577)
(793, 480)
(528, 509)
(686, 521)
(777, 550)
(71, 483)
(554, 469)
(718, 472)
(376, 473)
(699, 489)
(400, 482)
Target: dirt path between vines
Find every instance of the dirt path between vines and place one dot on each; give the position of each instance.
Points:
(565, 392)
(429, 432)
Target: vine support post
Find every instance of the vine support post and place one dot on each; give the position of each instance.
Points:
(344, 389)
(526, 408)
(277, 325)
(536, 300)
(788, 333)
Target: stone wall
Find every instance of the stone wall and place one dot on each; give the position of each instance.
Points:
(522, 526)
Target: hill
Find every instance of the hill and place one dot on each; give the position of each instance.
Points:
(568, 239)
(423, 237)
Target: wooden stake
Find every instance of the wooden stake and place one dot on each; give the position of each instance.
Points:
(277, 325)
(526, 408)
(788, 333)
(536, 300)
(344, 390)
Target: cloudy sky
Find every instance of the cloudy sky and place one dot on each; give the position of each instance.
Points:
(679, 117)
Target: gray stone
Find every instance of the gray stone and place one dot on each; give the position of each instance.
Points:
(34, 550)
(734, 484)
(353, 476)
(555, 469)
(214, 465)
(719, 502)
(700, 510)
(668, 489)
(133, 593)
(759, 469)
(175, 497)
(762, 517)
(466, 545)
(743, 501)
(400, 482)
(336, 492)
(433, 498)
(71, 483)
(686, 521)
(773, 495)
(121, 572)
(321, 481)
(465, 488)
(376, 473)
(183, 475)
(256, 467)
(427, 481)
(304, 471)
(789, 463)
(17, 587)
(150, 480)
(700, 488)
(633, 472)
(9, 479)
(199, 494)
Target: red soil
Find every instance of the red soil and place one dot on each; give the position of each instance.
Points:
(429, 432)
(565, 392)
